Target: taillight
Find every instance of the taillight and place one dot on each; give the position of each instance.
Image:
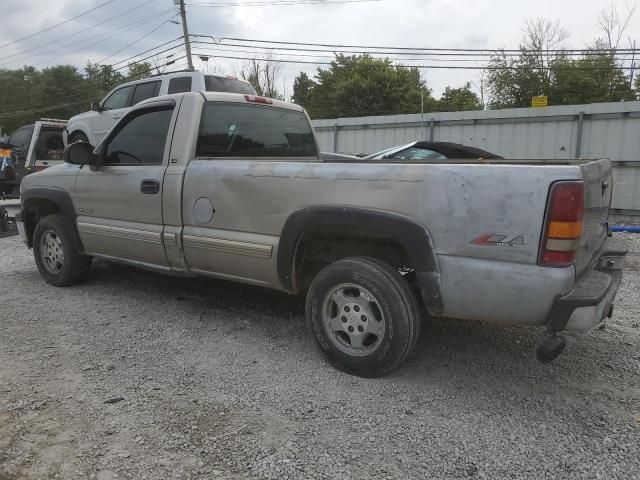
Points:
(563, 224)
(256, 99)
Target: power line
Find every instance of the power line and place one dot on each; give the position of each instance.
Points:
(85, 99)
(259, 3)
(78, 32)
(87, 76)
(109, 37)
(267, 53)
(485, 50)
(416, 55)
(110, 34)
(486, 56)
(152, 49)
(58, 24)
(435, 67)
(138, 39)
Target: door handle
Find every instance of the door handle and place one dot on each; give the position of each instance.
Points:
(149, 186)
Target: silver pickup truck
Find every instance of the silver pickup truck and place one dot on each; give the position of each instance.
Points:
(232, 186)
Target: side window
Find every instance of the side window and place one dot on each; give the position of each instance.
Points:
(20, 138)
(141, 139)
(414, 153)
(179, 84)
(144, 91)
(118, 99)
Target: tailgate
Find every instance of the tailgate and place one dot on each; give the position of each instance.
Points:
(598, 184)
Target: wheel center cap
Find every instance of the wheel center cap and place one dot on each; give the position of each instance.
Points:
(353, 318)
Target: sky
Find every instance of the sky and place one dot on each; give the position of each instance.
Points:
(144, 24)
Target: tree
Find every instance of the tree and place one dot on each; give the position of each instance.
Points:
(102, 78)
(458, 99)
(543, 38)
(596, 77)
(512, 81)
(302, 88)
(263, 75)
(66, 87)
(362, 85)
(139, 70)
(614, 24)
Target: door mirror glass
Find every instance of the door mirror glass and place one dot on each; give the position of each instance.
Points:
(95, 106)
(79, 153)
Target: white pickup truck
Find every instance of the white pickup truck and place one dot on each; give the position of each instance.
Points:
(232, 186)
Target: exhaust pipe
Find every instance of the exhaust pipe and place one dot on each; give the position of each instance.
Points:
(550, 347)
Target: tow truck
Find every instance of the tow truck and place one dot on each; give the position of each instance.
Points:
(29, 149)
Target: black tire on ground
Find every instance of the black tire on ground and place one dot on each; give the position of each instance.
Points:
(344, 290)
(77, 137)
(59, 263)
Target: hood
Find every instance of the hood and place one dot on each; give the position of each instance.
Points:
(82, 116)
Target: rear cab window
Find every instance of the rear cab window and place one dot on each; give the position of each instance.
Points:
(239, 130)
(213, 83)
(179, 84)
(50, 146)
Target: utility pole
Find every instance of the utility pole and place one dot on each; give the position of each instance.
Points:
(185, 31)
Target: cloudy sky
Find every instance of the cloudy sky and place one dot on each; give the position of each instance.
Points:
(124, 28)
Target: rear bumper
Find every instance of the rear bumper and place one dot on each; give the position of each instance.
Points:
(591, 299)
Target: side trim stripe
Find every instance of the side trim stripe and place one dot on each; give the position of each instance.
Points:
(119, 232)
(222, 245)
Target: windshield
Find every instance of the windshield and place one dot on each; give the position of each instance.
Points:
(213, 83)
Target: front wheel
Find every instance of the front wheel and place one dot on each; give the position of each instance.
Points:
(364, 316)
(59, 263)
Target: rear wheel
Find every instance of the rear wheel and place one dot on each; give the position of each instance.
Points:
(58, 262)
(364, 316)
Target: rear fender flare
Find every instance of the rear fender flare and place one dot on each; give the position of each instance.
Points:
(413, 236)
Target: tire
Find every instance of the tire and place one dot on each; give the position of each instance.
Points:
(59, 263)
(77, 137)
(363, 315)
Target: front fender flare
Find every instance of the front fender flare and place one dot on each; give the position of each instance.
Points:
(62, 200)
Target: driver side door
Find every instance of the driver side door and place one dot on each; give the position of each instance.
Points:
(119, 205)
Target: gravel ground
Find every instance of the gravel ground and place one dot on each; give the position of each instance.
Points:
(136, 375)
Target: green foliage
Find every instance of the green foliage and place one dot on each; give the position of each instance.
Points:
(361, 86)
(29, 94)
(458, 99)
(102, 77)
(302, 87)
(138, 71)
(594, 78)
(514, 80)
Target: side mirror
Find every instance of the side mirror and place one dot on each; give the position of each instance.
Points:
(80, 153)
(95, 106)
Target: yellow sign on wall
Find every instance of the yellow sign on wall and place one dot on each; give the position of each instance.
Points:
(539, 102)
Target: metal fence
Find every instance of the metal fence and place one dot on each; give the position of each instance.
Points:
(601, 130)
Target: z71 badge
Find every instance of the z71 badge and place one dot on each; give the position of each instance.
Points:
(500, 240)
